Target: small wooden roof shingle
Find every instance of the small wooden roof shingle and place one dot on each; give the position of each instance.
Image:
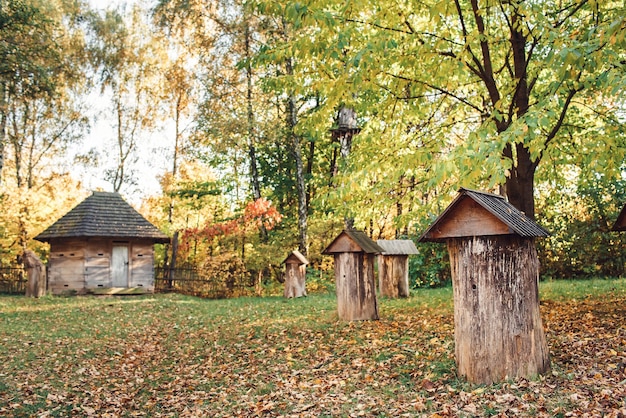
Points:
(397, 246)
(475, 213)
(352, 241)
(103, 215)
(620, 223)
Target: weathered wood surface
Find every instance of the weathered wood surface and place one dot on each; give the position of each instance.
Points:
(498, 328)
(36, 273)
(393, 275)
(468, 219)
(142, 266)
(295, 280)
(85, 266)
(356, 287)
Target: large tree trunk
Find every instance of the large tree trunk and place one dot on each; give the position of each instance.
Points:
(520, 184)
(356, 286)
(296, 149)
(498, 330)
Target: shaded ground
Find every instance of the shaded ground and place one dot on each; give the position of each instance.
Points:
(170, 355)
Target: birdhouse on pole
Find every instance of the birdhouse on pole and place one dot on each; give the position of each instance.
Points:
(620, 224)
(354, 254)
(295, 274)
(495, 273)
(393, 267)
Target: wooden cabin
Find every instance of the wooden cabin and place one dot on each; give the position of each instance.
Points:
(393, 267)
(354, 254)
(295, 275)
(620, 224)
(103, 245)
(495, 274)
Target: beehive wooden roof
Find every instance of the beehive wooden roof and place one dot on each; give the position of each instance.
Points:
(352, 241)
(475, 213)
(103, 215)
(397, 246)
(620, 224)
(295, 257)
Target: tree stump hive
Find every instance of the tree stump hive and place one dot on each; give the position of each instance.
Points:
(393, 267)
(498, 332)
(295, 275)
(354, 254)
(36, 273)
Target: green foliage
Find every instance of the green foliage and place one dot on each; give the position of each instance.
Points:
(430, 267)
(579, 219)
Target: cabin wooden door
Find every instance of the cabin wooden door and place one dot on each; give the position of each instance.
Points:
(119, 266)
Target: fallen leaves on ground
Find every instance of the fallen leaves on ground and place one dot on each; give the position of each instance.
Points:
(171, 355)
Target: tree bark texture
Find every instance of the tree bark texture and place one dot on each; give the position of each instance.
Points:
(498, 328)
(295, 280)
(36, 273)
(356, 286)
(303, 210)
(393, 276)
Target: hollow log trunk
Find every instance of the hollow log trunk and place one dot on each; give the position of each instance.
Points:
(356, 286)
(393, 276)
(498, 328)
(36, 273)
(295, 280)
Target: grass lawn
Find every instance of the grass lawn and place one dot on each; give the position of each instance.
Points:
(172, 355)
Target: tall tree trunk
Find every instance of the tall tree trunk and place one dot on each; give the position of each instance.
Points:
(3, 124)
(254, 171)
(296, 149)
(170, 209)
(520, 183)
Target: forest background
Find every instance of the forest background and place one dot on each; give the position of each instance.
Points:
(233, 106)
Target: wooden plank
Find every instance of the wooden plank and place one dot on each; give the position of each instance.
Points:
(119, 291)
(142, 267)
(97, 277)
(355, 286)
(393, 275)
(468, 219)
(67, 267)
(141, 250)
(98, 248)
(98, 262)
(70, 253)
(344, 244)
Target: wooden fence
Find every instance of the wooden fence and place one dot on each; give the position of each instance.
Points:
(12, 280)
(190, 281)
(185, 280)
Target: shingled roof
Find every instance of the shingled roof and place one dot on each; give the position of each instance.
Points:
(397, 246)
(103, 215)
(513, 220)
(357, 241)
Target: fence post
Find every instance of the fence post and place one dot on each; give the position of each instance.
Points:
(172, 266)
